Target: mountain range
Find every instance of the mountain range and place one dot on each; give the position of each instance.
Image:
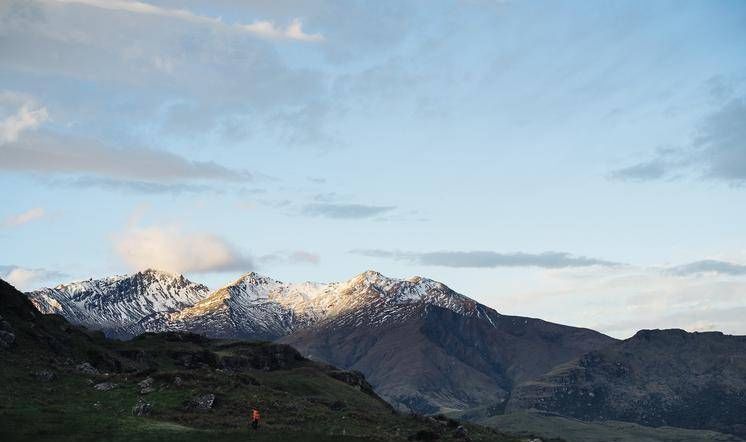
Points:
(424, 347)
(427, 349)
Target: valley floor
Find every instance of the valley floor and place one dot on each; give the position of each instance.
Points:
(549, 426)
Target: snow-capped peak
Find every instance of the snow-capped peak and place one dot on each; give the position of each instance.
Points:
(253, 304)
(119, 300)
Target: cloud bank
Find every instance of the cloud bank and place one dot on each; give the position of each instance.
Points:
(171, 249)
(711, 266)
(49, 154)
(488, 259)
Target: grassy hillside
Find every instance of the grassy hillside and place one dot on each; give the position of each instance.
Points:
(49, 393)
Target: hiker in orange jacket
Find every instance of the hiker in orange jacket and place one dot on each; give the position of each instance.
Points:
(255, 418)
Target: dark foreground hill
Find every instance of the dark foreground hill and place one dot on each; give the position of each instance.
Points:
(656, 378)
(59, 382)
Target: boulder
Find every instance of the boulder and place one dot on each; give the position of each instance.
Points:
(142, 408)
(105, 386)
(87, 368)
(146, 386)
(201, 403)
(461, 433)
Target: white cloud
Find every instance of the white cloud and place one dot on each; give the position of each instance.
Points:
(262, 28)
(24, 217)
(49, 153)
(28, 279)
(293, 31)
(26, 115)
(171, 249)
(191, 78)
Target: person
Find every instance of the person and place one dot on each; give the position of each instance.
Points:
(255, 418)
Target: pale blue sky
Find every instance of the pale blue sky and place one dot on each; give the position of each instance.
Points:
(582, 162)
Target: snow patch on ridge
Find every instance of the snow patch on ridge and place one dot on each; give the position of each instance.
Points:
(253, 306)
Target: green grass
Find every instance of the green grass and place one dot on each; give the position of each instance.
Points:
(302, 403)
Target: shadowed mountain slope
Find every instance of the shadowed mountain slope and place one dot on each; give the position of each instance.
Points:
(655, 378)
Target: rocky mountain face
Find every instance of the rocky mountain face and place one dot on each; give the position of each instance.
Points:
(258, 307)
(115, 303)
(423, 346)
(655, 378)
(439, 359)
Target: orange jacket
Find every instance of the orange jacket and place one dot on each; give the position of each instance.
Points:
(255, 415)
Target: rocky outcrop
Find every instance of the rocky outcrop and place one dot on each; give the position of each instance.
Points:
(202, 402)
(264, 357)
(146, 386)
(142, 408)
(655, 378)
(87, 368)
(105, 386)
(353, 378)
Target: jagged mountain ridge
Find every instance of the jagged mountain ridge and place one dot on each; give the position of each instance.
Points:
(252, 307)
(111, 303)
(258, 307)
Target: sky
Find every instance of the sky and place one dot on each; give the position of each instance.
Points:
(580, 162)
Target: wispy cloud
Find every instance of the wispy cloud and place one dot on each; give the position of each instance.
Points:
(28, 278)
(488, 259)
(711, 266)
(169, 248)
(146, 187)
(646, 171)
(345, 211)
(293, 31)
(294, 257)
(262, 28)
(48, 153)
(19, 113)
(717, 151)
(24, 217)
